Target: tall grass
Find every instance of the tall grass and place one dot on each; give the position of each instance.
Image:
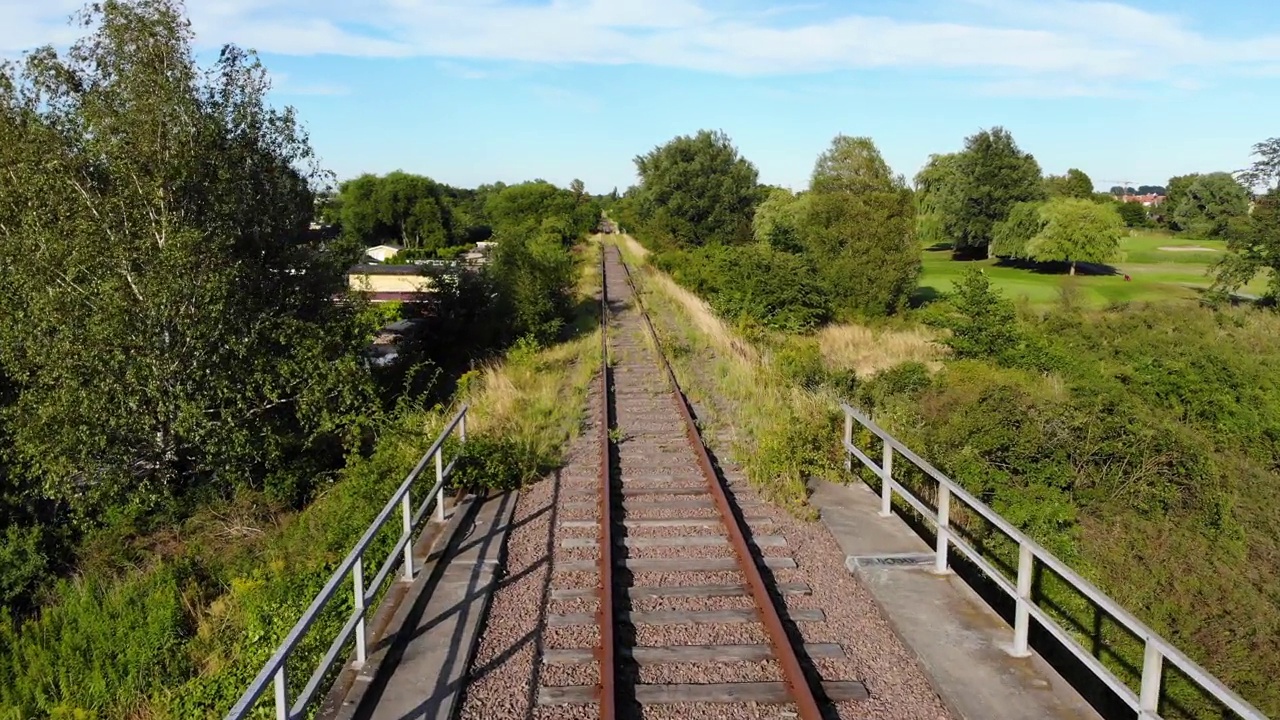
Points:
(868, 351)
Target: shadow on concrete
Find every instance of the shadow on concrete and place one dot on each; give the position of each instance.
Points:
(461, 593)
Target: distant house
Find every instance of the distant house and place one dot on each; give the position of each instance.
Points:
(1148, 200)
(390, 283)
(383, 253)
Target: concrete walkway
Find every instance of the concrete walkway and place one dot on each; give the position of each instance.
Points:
(419, 672)
(959, 641)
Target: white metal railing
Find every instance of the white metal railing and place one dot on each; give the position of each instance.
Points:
(1157, 650)
(274, 672)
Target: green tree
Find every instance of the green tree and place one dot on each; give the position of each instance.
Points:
(937, 199)
(987, 323)
(994, 175)
(1176, 193)
(535, 275)
(170, 326)
(1253, 241)
(1254, 246)
(1211, 204)
(859, 229)
(1075, 184)
(777, 219)
(1134, 214)
(697, 190)
(522, 210)
(1011, 235)
(1076, 231)
(411, 210)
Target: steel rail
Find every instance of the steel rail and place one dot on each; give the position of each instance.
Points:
(605, 653)
(793, 674)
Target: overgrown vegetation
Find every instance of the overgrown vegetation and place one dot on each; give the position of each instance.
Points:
(771, 408)
(1139, 444)
(191, 432)
(182, 635)
(754, 284)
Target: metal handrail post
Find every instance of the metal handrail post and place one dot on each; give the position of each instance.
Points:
(1152, 670)
(440, 485)
(886, 481)
(848, 440)
(944, 529)
(406, 510)
(357, 587)
(282, 694)
(1022, 611)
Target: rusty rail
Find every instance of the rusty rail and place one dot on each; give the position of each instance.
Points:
(605, 655)
(793, 674)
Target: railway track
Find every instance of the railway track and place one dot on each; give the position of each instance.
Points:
(688, 618)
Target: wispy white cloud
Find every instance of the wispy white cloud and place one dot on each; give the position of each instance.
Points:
(1080, 46)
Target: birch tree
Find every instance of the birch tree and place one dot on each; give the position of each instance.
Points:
(167, 322)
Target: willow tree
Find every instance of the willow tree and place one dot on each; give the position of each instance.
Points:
(1076, 231)
(1254, 241)
(165, 316)
(937, 199)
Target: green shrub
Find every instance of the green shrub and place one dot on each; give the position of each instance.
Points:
(536, 277)
(23, 563)
(800, 363)
(752, 284)
(495, 463)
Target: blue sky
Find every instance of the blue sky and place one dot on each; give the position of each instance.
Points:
(471, 91)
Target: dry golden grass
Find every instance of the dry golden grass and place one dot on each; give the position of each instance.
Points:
(868, 351)
(704, 319)
(633, 248)
(540, 397)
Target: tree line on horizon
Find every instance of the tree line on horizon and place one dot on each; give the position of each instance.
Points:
(432, 219)
(858, 227)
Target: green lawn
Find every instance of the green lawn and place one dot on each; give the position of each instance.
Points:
(1156, 274)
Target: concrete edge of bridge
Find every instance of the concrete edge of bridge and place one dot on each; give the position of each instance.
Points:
(389, 619)
(960, 643)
